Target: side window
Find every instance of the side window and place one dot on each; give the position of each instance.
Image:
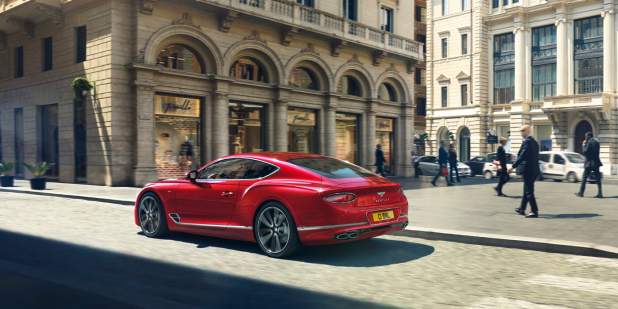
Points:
(491, 157)
(544, 157)
(558, 159)
(257, 169)
(226, 169)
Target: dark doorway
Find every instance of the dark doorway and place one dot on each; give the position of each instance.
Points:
(48, 138)
(580, 134)
(464, 144)
(79, 131)
(19, 142)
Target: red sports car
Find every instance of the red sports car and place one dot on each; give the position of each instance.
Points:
(279, 200)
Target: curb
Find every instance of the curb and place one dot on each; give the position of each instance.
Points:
(515, 242)
(73, 196)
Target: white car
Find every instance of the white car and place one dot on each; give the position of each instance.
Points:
(562, 165)
(490, 170)
(428, 165)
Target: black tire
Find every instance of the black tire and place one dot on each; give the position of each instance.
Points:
(153, 223)
(293, 242)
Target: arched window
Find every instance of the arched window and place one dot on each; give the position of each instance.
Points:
(387, 93)
(249, 69)
(351, 86)
(464, 144)
(304, 78)
(180, 57)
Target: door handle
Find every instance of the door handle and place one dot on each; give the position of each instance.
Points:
(227, 194)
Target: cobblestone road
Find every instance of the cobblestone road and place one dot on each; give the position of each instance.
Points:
(48, 243)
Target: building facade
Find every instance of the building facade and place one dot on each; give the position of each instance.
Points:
(179, 83)
(494, 66)
(420, 86)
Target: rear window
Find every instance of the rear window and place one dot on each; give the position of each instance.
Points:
(332, 168)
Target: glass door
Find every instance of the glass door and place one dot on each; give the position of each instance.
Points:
(302, 130)
(385, 138)
(347, 137)
(246, 129)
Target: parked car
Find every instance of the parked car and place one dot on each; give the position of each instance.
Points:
(428, 165)
(476, 165)
(490, 170)
(562, 165)
(278, 200)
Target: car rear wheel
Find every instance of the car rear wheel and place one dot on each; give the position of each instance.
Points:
(275, 231)
(152, 216)
(571, 177)
(488, 175)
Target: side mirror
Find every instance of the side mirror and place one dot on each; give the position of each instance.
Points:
(192, 175)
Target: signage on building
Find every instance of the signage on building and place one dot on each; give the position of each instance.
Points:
(177, 106)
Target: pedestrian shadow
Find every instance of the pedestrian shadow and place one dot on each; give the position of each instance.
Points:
(569, 216)
(364, 253)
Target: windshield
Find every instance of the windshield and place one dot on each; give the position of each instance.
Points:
(332, 168)
(575, 157)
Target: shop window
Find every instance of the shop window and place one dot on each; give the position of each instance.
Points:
(304, 78)
(180, 57)
(351, 86)
(249, 69)
(47, 137)
(177, 135)
(246, 128)
(302, 130)
(385, 129)
(387, 93)
(346, 140)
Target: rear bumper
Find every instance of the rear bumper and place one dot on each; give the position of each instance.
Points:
(349, 232)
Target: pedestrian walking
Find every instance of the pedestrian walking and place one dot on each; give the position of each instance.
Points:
(452, 163)
(527, 165)
(442, 165)
(380, 160)
(503, 174)
(592, 165)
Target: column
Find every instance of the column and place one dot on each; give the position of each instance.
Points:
(330, 127)
(145, 168)
(281, 125)
(404, 160)
(371, 135)
(609, 47)
(562, 58)
(220, 125)
(520, 62)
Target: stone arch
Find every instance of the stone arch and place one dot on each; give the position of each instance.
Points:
(185, 35)
(357, 70)
(442, 135)
(463, 143)
(315, 63)
(394, 79)
(578, 137)
(259, 51)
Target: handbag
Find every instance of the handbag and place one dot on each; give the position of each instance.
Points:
(443, 171)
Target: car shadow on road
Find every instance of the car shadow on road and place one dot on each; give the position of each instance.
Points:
(569, 216)
(365, 253)
(66, 275)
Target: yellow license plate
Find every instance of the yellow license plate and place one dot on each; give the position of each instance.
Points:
(383, 215)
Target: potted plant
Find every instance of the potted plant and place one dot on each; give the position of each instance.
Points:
(81, 87)
(38, 170)
(6, 180)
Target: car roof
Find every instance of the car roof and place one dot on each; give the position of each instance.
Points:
(281, 156)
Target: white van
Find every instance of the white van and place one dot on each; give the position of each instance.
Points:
(562, 165)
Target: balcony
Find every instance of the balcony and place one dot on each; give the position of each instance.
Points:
(21, 15)
(310, 19)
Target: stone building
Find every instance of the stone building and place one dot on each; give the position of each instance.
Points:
(494, 66)
(179, 83)
(420, 86)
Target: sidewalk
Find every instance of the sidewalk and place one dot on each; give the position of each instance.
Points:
(468, 213)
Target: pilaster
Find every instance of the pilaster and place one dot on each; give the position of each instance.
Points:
(330, 126)
(609, 49)
(145, 168)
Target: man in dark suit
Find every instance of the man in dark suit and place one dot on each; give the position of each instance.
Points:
(527, 165)
(442, 163)
(380, 160)
(503, 171)
(592, 150)
(452, 162)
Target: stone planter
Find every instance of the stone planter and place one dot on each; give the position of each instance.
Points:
(38, 183)
(7, 181)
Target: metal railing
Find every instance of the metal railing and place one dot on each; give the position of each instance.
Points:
(589, 85)
(313, 19)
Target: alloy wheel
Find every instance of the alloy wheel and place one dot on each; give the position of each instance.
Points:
(149, 215)
(273, 230)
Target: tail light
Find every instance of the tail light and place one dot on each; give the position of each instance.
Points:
(340, 198)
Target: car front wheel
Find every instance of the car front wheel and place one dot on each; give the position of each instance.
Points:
(488, 175)
(572, 177)
(152, 216)
(275, 231)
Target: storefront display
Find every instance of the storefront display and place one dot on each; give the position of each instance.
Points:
(302, 130)
(384, 137)
(177, 135)
(347, 137)
(246, 129)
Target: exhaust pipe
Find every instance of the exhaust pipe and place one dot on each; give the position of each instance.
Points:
(347, 235)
